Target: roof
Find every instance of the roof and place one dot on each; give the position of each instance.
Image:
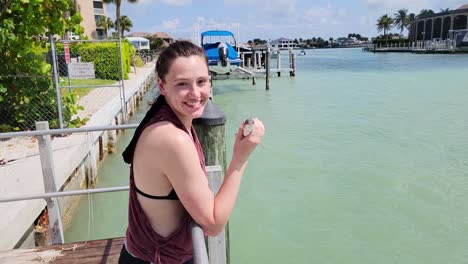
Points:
(283, 39)
(136, 39)
(138, 34)
(163, 35)
(463, 7)
(217, 33)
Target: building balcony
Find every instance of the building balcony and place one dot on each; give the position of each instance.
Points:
(98, 11)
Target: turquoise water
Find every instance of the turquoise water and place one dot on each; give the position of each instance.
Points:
(365, 160)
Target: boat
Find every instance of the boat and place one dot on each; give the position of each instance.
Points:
(302, 53)
(221, 53)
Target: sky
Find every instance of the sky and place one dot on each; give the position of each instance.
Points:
(269, 19)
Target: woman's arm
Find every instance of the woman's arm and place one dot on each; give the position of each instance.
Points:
(180, 163)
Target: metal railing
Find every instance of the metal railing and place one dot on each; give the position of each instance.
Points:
(51, 194)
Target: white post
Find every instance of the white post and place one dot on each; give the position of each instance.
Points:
(217, 244)
(278, 61)
(48, 173)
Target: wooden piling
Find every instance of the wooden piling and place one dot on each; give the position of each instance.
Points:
(293, 65)
(267, 68)
(242, 59)
(254, 57)
(210, 128)
(278, 63)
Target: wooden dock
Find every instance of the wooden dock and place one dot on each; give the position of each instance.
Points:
(254, 64)
(433, 46)
(92, 252)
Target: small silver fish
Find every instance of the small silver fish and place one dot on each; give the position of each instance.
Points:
(248, 126)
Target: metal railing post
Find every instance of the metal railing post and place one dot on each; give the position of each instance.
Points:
(122, 90)
(56, 81)
(48, 173)
(200, 256)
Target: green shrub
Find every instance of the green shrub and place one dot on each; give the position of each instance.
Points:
(138, 61)
(105, 57)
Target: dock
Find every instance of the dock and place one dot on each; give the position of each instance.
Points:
(432, 46)
(254, 63)
(92, 252)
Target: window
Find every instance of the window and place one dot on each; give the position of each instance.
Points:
(97, 4)
(96, 18)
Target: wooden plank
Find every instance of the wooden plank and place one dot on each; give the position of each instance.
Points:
(96, 251)
(216, 245)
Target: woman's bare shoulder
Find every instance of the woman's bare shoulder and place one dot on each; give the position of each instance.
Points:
(164, 135)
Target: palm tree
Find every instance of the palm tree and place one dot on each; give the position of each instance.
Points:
(105, 23)
(411, 19)
(401, 20)
(425, 12)
(117, 12)
(384, 23)
(125, 24)
(445, 11)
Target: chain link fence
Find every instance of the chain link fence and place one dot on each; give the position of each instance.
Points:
(87, 79)
(81, 77)
(31, 98)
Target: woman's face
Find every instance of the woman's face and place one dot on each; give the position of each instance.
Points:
(187, 87)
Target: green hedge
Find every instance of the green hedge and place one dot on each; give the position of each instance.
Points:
(105, 57)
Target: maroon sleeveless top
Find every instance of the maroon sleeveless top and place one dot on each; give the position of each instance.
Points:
(141, 240)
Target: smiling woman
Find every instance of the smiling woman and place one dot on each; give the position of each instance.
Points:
(168, 185)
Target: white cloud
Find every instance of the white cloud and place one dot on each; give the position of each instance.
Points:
(263, 9)
(318, 12)
(342, 12)
(145, 2)
(177, 2)
(324, 15)
(170, 25)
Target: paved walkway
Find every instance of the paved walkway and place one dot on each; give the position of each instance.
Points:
(23, 175)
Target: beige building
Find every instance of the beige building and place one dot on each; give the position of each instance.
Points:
(439, 25)
(91, 11)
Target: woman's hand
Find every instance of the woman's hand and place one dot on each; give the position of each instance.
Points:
(244, 146)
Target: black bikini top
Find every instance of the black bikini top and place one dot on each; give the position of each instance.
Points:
(171, 196)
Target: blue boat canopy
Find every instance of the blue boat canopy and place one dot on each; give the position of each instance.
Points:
(211, 33)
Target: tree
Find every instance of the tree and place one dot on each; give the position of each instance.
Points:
(23, 25)
(155, 41)
(258, 41)
(117, 12)
(445, 11)
(384, 23)
(411, 19)
(425, 12)
(401, 20)
(125, 25)
(105, 23)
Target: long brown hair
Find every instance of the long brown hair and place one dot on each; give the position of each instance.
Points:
(175, 50)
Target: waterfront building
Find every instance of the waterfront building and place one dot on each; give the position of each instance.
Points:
(283, 43)
(140, 43)
(438, 26)
(91, 12)
(167, 39)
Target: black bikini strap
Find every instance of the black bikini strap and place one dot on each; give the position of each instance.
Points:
(171, 196)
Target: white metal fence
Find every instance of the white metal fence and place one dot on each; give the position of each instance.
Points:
(47, 182)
